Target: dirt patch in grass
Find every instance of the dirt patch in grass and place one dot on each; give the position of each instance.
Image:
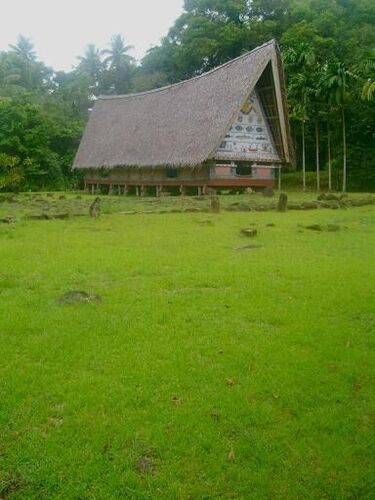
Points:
(10, 483)
(146, 465)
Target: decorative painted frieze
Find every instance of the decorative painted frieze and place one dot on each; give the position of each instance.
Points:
(249, 137)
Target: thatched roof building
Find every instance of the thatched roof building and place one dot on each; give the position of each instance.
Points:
(182, 124)
(236, 112)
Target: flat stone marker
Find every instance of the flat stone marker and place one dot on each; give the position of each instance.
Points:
(77, 296)
(249, 232)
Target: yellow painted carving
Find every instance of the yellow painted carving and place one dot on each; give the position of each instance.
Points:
(246, 108)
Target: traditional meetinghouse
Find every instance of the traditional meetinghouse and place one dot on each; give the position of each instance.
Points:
(225, 129)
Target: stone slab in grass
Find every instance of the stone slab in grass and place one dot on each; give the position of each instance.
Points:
(38, 217)
(250, 232)
(314, 227)
(309, 205)
(248, 247)
(331, 228)
(8, 219)
(63, 216)
(79, 297)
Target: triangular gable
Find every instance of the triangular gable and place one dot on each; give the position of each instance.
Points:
(260, 130)
(249, 136)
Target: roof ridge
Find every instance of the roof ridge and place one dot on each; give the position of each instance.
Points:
(167, 87)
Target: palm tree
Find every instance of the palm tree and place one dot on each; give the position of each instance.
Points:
(329, 156)
(117, 55)
(366, 70)
(317, 155)
(368, 90)
(90, 64)
(301, 89)
(325, 93)
(24, 48)
(337, 87)
(33, 74)
(9, 74)
(298, 111)
(119, 63)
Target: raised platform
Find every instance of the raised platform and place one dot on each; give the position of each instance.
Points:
(202, 184)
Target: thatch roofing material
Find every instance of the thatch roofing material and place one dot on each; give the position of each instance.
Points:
(181, 124)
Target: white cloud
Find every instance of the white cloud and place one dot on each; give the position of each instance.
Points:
(61, 29)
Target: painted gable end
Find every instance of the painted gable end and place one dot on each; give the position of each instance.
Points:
(249, 137)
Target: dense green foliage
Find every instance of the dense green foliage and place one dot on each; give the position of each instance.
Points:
(205, 372)
(42, 113)
(328, 49)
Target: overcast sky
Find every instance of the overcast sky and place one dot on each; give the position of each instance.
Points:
(60, 29)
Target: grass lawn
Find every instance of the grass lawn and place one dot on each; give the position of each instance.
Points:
(206, 371)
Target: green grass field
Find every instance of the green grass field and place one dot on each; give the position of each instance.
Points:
(207, 371)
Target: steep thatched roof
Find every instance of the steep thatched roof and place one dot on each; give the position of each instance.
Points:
(178, 125)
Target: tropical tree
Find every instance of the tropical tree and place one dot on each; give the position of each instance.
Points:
(300, 63)
(31, 73)
(27, 132)
(24, 48)
(11, 172)
(9, 73)
(90, 64)
(119, 64)
(74, 93)
(368, 90)
(336, 85)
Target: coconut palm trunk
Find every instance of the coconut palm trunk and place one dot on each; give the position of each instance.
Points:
(317, 155)
(303, 157)
(329, 158)
(343, 149)
(336, 85)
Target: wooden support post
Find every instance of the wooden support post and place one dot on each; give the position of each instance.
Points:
(97, 188)
(110, 190)
(137, 190)
(119, 189)
(92, 188)
(199, 191)
(182, 190)
(125, 189)
(143, 190)
(205, 189)
(158, 188)
(279, 178)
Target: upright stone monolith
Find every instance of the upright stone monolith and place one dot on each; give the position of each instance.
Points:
(282, 204)
(95, 208)
(215, 204)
